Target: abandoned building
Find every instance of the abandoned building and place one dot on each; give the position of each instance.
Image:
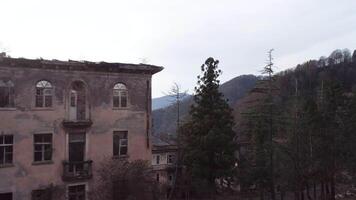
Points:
(60, 119)
(164, 156)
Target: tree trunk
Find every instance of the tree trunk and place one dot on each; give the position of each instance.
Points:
(314, 185)
(332, 187)
(327, 188)
(308, 191)
(282, 194)
(322, 191)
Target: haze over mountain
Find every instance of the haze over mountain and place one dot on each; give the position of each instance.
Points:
(164, 101)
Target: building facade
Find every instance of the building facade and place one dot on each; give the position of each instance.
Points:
(164, 156)
(60, 120)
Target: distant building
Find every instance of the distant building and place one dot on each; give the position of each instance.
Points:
(59, 120)
(164, 156)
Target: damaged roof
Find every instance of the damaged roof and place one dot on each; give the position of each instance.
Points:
(72, 65)
(163, 146)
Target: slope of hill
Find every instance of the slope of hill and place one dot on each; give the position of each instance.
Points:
(164, 120)
(162, 102)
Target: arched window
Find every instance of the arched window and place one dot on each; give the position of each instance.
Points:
(7, 94)
(44, 92)
(120, 96)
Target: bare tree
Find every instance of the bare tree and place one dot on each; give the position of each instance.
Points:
(177, 95)
(120, 179)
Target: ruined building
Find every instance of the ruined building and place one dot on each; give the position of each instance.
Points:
(59, 120)
(164, 155)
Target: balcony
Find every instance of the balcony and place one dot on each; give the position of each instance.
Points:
(76, 171)
(77, 123)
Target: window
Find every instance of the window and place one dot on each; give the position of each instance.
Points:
(157, 177)
(6, 196)
(157, 159)
(6, 149)
(7, 94)
(76, 192)
(42, 147)
(44, 94)
(170, 177)
(171, 158)
(43, 194)
(120, 143)
(120, 96)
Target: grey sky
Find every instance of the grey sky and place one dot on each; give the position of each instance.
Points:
(178, 34)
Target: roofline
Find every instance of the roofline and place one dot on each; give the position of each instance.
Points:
(72, 65)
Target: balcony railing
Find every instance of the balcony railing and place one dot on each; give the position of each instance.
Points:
(73, 171)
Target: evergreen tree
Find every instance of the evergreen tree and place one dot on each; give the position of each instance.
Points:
(263, 119)
(209, 146)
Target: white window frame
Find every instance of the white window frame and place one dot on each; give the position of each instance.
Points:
(7, 145)
(118, 90)
(122, 143)
(42, 147)
(47, 87)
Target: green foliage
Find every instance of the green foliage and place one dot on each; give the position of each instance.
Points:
(209, 144)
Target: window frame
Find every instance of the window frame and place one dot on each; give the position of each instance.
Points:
(4, 152)
(41, 87)
(43, 149)
(120, 92)
(9, 89)
(125, 139)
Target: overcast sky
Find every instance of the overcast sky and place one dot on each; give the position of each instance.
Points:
(178, 34)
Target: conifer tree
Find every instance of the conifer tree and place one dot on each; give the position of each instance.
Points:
(209, 146)
(264, 119)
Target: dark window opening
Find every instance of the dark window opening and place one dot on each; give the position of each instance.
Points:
(42, 147)
(76, 192)
(171, 159)
(6, 149)
(76, 152)
(43, 194)
(120, 143)
(157, 177)
(7, 94)
(158, 157)
(6, 196)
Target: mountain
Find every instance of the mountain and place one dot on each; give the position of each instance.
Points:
(164, 101)
(164, 119)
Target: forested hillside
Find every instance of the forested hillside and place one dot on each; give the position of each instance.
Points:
(164, 120)
(297, 131)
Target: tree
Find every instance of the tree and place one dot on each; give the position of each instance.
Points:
(120, 179)
(346, 55)
(354, 56)
(208, 137)
(177, 95)
(336, 57)
(263, 120)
